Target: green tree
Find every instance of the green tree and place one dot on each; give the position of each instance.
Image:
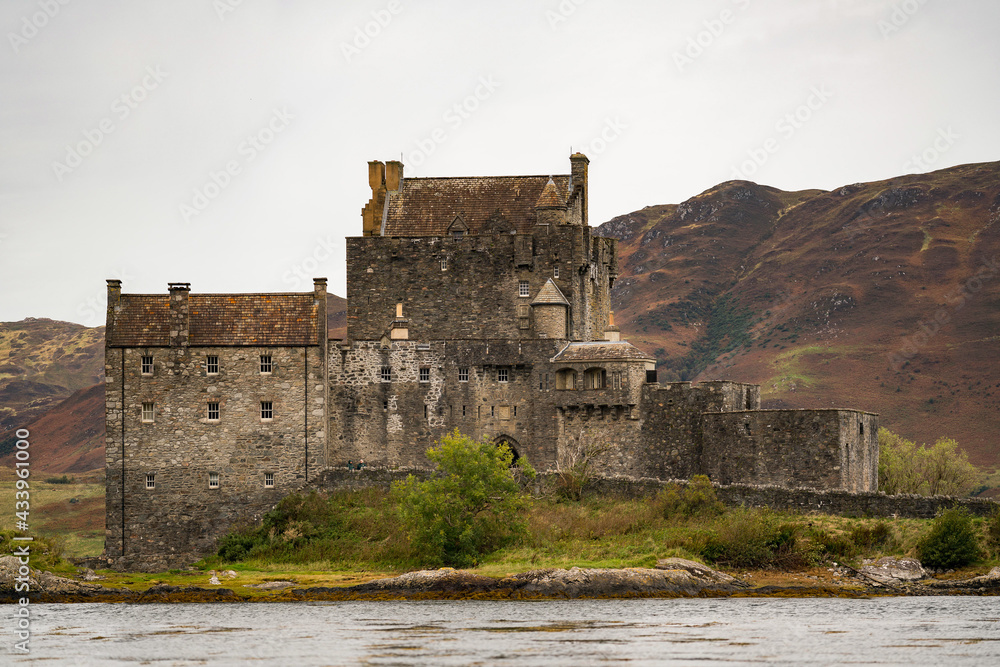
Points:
(928, 470)
(951, 542)
(471, 505)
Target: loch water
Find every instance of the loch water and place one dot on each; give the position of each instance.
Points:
(952, 631)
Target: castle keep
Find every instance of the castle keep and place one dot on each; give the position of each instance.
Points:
(480, 304)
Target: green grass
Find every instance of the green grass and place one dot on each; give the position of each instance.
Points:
(77, 527)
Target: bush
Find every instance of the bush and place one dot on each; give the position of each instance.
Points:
(993, 531)
(834, 545)
(472, 504)
(754, 538)
(951, 542)
(696, 498)
(60, 480)
(868, 538)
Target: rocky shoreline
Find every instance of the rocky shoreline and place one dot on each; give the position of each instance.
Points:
(671, 578)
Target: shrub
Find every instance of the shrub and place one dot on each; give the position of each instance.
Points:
(755, 538)
(471, 505)
(833, 545)
(951, 542)
(696, 498)
(871, 537)
(993, 531)
(60, 480)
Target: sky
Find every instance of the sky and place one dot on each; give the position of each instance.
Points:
(224, 142)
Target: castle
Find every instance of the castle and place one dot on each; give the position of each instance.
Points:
(479, 304)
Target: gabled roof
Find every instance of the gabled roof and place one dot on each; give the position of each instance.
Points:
(428, 206)
(601, 351)
(143, 320)
(550, 294)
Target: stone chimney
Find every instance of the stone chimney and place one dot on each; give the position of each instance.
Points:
(114, 304)
(371, 214)
(612, 333)
(322, 333)
(578, 163)
(393, 175)
(180, 314)
(400, 328)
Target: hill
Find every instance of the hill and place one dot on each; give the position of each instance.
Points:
(883, 296)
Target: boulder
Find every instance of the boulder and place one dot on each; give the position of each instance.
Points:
(894, 571)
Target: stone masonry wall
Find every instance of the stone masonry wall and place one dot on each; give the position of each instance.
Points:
(181, 516)
(820, 449)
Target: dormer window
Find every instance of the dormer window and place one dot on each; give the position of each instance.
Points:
(457, 234)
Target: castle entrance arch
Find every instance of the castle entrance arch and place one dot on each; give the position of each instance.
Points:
(511, 443)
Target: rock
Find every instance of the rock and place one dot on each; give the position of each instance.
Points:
(39, 581)
(272, 585)
(699, 570)
(893, 571)
(214, 581)
(90, 575)
(229, 574)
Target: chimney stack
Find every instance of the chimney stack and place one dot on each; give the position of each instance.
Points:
(612, 333)
(180, 314)
(400, 328)
(578, 163)
(114, 303)
(319, 289)
(393, 175)
(371, 214)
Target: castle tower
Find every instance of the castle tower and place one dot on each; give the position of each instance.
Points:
(549, 309)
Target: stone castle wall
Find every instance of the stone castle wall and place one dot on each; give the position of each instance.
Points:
(181, 517)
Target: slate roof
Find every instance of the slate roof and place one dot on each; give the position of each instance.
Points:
(602, 351)
(143, 320)
(427, 206)
(550, 293)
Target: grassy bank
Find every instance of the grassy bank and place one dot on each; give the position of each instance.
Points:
(361, 531)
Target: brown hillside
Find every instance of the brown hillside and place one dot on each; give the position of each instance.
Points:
(68, 438)
(830, 298)
(336, 316)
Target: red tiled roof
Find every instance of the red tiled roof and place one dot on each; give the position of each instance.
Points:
(218, 319)
(427, 206)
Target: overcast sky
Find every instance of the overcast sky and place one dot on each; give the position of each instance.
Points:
(224, 142)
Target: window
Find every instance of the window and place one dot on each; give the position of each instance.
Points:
(147, 364)
(266, 410)
(147, 412)
(524, 316)
(651, 376)
(523, 289)
(503, 375)
(213, 412)
(493, 411)
(555, 272)
(269, 480)
(150, 480)
(213, 480)
(266, 366)
(444, 263)
(595, 378)
(463, 410)
(212, 364)
(385, 374)
(457, 234)
(425, 411)
(425, 375)
(566, 379)
(463, 374)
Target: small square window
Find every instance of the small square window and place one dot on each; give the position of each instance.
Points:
(266, 366)
(503, 375)
(425, 375)
(213, 411)
(147, 364)
(150, 480)
(269, 480)
(213, 480)
(266, 410)
(212, 364)
(148, 412)
(463, 374)
(523, 289)
(385, 374)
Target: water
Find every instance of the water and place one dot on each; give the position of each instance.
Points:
(949, 631)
